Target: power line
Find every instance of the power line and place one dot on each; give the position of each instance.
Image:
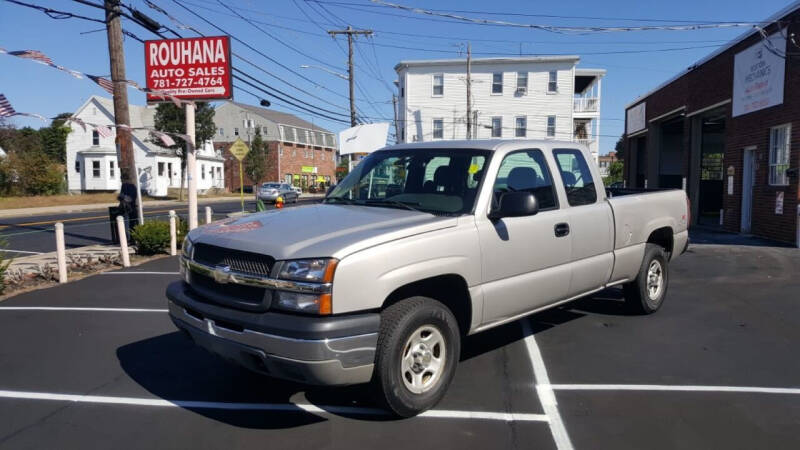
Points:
(54, 13)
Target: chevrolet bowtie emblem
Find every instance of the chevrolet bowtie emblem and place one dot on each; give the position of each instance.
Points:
(222, 274)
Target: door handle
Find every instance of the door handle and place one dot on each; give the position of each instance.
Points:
(561, 229)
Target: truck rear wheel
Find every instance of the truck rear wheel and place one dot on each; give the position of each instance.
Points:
(418, 348)
(646, 293)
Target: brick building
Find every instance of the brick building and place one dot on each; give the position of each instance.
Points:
(300, 152)
(604, 162)
(727, 130)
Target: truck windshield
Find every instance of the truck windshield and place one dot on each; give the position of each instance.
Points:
(438, 181)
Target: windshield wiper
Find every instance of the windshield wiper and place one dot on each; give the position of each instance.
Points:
(389, 202)
(343, 200)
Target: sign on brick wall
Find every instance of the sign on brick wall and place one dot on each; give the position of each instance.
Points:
(758, 75)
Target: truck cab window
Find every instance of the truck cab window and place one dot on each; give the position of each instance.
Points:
(526, 171)
(576, 176)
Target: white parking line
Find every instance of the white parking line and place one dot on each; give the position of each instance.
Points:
(674, 388)
(544, 390)
(20, 251)
(282, 407)
(140, 273)
(58, 308)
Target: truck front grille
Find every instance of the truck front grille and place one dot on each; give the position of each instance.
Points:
(239, 261)
(237, 296)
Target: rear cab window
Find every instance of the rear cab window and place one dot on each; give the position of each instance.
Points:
(575, 176)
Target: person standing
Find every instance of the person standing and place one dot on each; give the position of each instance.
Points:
(127, 200)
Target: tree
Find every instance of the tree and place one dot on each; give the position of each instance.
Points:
(614, 173)
(619, 147)
(172, 119)
(54, 138)
(256, 163)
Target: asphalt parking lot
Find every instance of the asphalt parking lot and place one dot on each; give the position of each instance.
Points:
(97, 364)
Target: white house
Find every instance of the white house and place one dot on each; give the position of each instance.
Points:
(92, 159)
(525, 97)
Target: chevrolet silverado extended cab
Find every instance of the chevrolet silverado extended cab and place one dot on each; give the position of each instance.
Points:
(420, 245)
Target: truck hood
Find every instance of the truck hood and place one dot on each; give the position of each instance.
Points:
(318, 230)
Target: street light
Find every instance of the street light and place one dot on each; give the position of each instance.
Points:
(342, 76)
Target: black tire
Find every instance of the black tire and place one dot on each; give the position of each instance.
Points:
(638, 295)
(398, 323)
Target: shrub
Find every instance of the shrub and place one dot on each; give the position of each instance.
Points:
(4, 262)
(151, 237)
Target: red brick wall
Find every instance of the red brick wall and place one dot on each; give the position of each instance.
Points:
(712, 83)
(293, 159)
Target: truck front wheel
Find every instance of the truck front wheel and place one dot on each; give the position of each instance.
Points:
(646, 293)
(418, 349)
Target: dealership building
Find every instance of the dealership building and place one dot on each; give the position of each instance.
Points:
(727, 130)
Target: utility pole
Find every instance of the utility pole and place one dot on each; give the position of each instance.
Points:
(469, 91)
(350, 32)
(122, 118)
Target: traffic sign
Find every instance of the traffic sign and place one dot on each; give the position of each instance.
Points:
(239, 149)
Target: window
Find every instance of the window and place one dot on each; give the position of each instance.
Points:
(111, 169)
(576, 176)
(221, 132)
(161, 169)
(551, 126)
(95, 137)
(779, 141)
(526, 171)
(521, 129)
(235, 131)
(497, 127)
(95, 169)
(280, 150)
(77, 166)
(522, 81)
(552, 83)
(438, 85)
(402, 91)
(497, 83)
(203, 171)
(438, 128)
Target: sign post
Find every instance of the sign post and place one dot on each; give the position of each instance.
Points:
(192, 69)
(239, 150)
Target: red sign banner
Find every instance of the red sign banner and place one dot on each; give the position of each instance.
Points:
(190, 69)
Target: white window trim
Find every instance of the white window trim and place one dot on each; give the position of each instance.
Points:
(502, 84)
(771, 163)
(433, 85)
(491, 131)
(433, 128)
(548, 82)
(525, 130)
(547, 127)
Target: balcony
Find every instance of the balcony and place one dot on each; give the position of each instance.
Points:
(585, 104)
(586, 142)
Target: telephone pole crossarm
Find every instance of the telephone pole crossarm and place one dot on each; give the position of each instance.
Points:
(350, 32)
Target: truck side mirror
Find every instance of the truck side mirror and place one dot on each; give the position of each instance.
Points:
(515, 204)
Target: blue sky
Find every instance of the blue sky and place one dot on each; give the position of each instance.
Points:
(300, 25)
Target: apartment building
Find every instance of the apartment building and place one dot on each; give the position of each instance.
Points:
(526, 97)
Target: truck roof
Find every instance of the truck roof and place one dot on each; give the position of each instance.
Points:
(487, 144)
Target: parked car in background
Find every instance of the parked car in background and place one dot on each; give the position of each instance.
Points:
(419, 246)
(299, 190)
(269, 192)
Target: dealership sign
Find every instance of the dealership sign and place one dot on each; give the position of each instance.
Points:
(758, 75)
(191, 69)
(635, 118)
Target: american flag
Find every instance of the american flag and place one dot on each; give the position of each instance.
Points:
(6, 110)
(35, 55)
(104, 131)
(103, 82)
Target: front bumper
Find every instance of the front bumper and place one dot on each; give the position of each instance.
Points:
(314, 350)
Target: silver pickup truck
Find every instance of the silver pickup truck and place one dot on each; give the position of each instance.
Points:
(419, 246)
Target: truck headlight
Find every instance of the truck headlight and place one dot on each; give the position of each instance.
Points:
(303, 303)
(187, 247)
(318, 270)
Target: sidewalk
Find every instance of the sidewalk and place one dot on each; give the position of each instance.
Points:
(27, 212)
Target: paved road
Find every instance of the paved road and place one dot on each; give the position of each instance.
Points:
(121, 378)
(26, 235)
